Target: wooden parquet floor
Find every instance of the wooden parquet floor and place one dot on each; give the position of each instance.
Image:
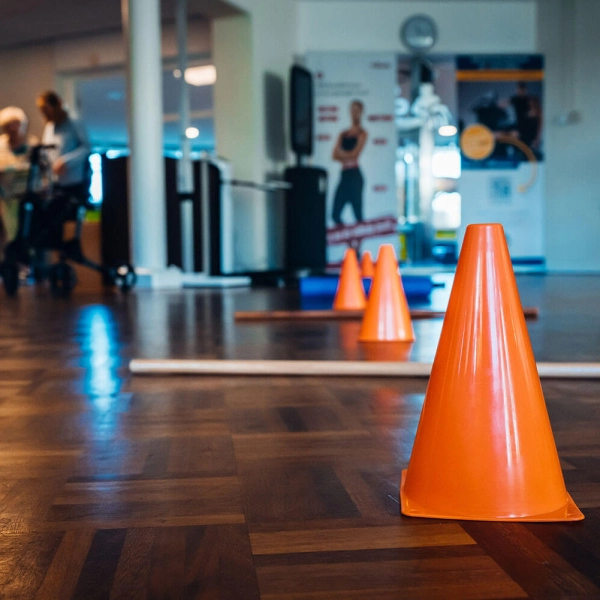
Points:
(284, 488)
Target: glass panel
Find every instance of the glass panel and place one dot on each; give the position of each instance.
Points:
(102, 103)
(427, 158)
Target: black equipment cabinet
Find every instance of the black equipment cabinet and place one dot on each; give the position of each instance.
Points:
(305, 218)
(174, 215)
(115, 214)
(114, 225)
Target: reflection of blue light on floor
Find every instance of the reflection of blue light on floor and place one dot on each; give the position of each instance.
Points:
(99, 354)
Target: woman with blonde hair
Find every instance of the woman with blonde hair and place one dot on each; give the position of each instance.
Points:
(15, 145)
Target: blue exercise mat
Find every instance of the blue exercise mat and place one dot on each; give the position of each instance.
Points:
(416, 287)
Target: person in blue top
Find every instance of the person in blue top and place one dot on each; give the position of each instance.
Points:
(347, 150)
(70, 151)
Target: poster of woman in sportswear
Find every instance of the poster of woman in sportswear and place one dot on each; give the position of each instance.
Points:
(355, 141)
(347, 150)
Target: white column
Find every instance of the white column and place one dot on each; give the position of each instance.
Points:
(141, 25)
(185, 179)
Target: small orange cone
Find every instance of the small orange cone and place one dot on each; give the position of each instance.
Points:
(348, 339)
(484, 449)
(387, 317)
(350, 294)
(367, 266)
(388, 352)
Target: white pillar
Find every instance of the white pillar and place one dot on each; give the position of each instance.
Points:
(141, 25)
(185, 179)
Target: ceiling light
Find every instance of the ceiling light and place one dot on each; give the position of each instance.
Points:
(447, 130)
(202, 75)
(192, 133)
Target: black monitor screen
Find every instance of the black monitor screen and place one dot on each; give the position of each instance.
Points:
(301, 110)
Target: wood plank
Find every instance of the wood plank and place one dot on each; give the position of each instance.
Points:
(536, 568)
(134, 564)
(62, 575)
(98, 571)
(530, 312)
(440, 577)
(24, 560)
(369, 538)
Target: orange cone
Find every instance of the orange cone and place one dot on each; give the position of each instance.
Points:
(367, 266)
(350, 294)
(348, 339)
(484, 449)
(387, 317)
(388, 352)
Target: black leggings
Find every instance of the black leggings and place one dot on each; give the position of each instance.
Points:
(349, 190)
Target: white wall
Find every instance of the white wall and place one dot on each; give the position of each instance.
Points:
(272, 47)
(25, 73)
(266, 50)
(568, 36)
(372, 25)
(101, 51)
(234, 93)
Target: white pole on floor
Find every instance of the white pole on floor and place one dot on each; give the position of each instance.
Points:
(331, 368)
(185, 180)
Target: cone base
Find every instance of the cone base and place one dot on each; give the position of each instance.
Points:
(569, 512)
(371, 340)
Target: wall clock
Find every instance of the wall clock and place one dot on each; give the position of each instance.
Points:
(419, 33)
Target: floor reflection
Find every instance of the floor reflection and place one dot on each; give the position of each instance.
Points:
(97, 332)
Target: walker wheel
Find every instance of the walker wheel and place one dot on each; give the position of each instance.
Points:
(125, 278)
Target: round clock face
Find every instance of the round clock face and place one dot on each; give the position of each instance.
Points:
(419, 33)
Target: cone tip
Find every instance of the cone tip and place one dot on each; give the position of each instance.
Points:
(487, 227)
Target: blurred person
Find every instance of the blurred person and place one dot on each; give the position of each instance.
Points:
(491, 112)
(520, 102)
(15, 147)
(70, 150)
(531, 125)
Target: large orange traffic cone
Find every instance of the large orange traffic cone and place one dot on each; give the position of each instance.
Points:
(350, 294)
(367, 266)
(387, 317)
(484, 449)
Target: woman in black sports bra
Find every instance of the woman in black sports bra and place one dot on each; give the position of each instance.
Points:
(347, 150)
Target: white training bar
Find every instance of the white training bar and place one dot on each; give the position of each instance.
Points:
(330, 368)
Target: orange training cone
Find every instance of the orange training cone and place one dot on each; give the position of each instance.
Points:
(484, 449)
(366, 265)
(388, 352)
(350, 294)
(387, 317)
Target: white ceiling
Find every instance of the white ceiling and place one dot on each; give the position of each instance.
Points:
(24, 22)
